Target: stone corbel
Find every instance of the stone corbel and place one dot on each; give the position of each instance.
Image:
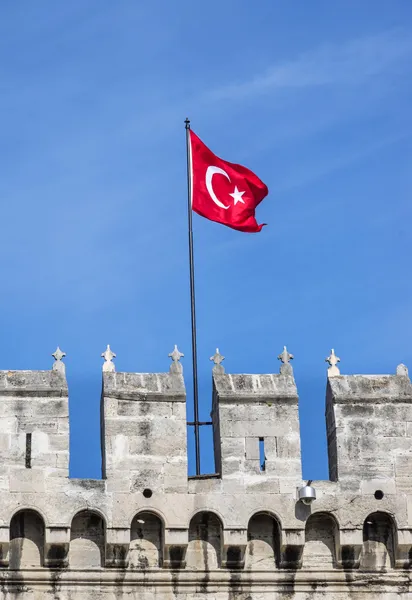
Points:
(117, 547)
(234, 548)
(291, 548)
(4, 546)
(56, 547)
(349, 548)
(175, 546)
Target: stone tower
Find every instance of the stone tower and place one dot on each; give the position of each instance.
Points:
(147, 530)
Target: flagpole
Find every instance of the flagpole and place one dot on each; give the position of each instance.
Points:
(192, 298)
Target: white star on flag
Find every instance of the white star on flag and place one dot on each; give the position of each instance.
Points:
(237, 196)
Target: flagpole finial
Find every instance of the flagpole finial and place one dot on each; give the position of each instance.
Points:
(333, 361)
(108, 365)
(187, 123)
(176, 355)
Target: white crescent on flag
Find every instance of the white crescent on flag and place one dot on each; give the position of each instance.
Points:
(209, 175)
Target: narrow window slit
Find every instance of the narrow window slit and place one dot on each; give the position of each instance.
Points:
(262, 457)
(28, 450)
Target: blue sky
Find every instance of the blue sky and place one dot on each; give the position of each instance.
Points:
(313, 96)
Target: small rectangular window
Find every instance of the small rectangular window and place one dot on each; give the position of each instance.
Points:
(262, 457)
(28, 450)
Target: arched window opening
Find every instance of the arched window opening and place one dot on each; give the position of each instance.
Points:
(26, 540)
(320, 541)
(263, 546)
(146, 541)
(205, 540)
(87, 541)
(378, 552)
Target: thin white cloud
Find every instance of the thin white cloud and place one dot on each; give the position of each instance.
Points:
(351, 63)
(319, 168)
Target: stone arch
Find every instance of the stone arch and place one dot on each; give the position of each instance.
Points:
(26, 540)
(379, 542)
(80, 508)
(154, 510)
(87, 540)
(321, 538)
(146, 541)
(263, 545)
(204, 551)
(201, 509)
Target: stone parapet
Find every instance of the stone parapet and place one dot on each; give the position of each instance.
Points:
(147, 387)
(370, 389)
(147, 529)
(256, 423)
(34, 430)
(143, 431)
(33, 384)
(254, 388)
(369, 426)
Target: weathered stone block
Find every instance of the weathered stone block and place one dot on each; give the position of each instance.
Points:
(120, 483)
(252, 467)
(157, 446)
(258, 428)
(58, 442)
(179, 410)
(261, 485)
(287, 446)
(231, 466)
(144, 410)
(403, 466)
(51, 408)
(5, 443)
(30, 424)
(63, 425)
(288, 485)
(252, 448)
(172, 485)
(27, 480)
(404, 485)
(8, 425)
(284, 467)
(234, 447)
(370, 486)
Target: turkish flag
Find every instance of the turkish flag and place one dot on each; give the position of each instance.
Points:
(222, 191)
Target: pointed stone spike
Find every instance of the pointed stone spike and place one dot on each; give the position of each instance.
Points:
(176, 355)
(402, 370)
(58, 365)
(285, 356)
(108, 365)
(217, 359)
(333, 360)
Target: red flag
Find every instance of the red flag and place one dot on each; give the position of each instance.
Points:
(222, 191)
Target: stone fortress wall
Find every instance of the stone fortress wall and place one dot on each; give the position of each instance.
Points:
(147, 530)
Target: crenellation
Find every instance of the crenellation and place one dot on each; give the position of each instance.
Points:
(367, 428)
(260, 414)
(37, 450)
(147, 529)
(143, 438)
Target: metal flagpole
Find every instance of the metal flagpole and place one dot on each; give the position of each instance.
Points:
(192, 298)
